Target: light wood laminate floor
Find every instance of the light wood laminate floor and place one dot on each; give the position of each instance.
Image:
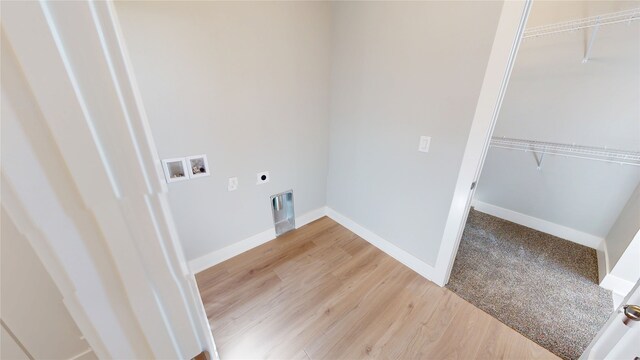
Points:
(321, 292)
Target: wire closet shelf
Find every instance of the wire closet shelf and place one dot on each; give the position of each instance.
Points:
(574, 151)
(605, 19)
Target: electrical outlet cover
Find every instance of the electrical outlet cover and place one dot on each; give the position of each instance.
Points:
(425, 141)
(233, 184)
(262, 177)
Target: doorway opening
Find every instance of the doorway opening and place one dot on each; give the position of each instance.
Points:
(561, 174)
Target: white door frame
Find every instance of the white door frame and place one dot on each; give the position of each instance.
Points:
(83, 183)
(494, 86)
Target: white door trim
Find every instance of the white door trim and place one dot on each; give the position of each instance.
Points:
(501, 60)
(99, 216)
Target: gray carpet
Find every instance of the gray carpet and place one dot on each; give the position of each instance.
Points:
(541, 286)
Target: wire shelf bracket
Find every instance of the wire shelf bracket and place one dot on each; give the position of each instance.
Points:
(592, 39)
(541, 148)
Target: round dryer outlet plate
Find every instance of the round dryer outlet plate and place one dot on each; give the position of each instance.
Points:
(262, 177)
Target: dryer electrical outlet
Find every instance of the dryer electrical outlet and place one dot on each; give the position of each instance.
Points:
(262, 177)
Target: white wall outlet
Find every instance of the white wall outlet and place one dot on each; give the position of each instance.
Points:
(233, 184)
(263, 177)
(425, 141)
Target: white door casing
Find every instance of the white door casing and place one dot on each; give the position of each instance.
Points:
(505, 47)
(82, 181)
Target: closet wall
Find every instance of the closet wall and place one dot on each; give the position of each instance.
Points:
(554, 97)
(623, 242)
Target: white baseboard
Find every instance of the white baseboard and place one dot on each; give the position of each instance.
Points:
(620, 287)
(218, 256)
(617, 300)
(545, 226)
(425, 270)
(602, 263)
(206, 261)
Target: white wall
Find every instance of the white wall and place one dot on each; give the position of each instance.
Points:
(32, 306)
(246, 83)
(623, 242)
(624, 229)
(553, 97)
(401, 70)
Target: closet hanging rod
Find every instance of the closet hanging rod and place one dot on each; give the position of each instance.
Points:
(573, 25)
(567, 150)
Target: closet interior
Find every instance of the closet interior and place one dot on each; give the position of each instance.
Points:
(560, 175)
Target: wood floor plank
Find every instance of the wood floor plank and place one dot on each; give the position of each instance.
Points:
(238, 291)
(318, 261)
(459, 340)
(369, 305)
(354, 245)
(327, 312)
(367, 344)
(278, 316)
(321, 292)
(404, 335)
(431, 329)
